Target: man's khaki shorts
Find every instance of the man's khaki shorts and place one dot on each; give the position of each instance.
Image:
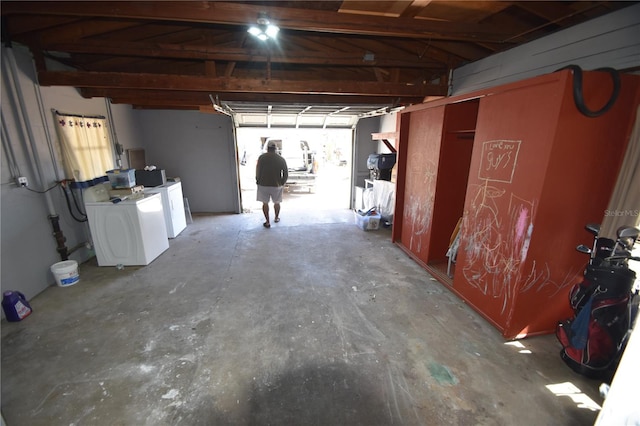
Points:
(265, 192)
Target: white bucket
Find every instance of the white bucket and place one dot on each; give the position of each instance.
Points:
(65, 273)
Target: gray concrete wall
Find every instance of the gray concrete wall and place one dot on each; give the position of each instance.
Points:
(28, 247)
(200, 149)
(612, 40)
(363, 146)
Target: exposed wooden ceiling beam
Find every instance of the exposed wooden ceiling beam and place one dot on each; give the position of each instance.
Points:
(79, 29)
(243, 14)
(181, 97)
(164, 54)
(26, 24)
(566, 13)
(159, 50)
(415, 8)
(226, 84)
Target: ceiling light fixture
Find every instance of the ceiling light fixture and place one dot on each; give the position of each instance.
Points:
(265, 30)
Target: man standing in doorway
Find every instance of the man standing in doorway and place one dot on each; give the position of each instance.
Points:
(271, 175)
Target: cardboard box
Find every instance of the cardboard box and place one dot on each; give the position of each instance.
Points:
(367, 223)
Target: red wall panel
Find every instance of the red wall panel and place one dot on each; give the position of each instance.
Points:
(539, 171)
(514, 137)
(453, 173)
(423, 151)
(582, 171)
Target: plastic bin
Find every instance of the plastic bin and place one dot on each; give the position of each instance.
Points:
(368, 222)
(122, 178)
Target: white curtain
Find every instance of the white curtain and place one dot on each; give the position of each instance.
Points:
(86, 147)
(624, 206)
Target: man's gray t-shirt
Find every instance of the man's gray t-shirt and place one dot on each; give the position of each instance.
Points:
(271, 170)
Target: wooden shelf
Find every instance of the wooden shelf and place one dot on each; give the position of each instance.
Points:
(388, 135)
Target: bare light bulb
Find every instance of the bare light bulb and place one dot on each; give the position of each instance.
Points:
(272, 31)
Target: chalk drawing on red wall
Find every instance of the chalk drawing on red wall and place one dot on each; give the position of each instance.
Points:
(499, 160)
(420, 207)
(497, 243)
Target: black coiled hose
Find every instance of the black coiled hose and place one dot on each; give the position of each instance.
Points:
(577, 90)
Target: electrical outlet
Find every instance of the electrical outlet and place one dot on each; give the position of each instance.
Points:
(22, 181)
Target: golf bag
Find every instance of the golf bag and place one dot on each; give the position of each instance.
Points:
(604, 306)
(592, 340)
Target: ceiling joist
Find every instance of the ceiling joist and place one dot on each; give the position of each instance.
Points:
(175, 54)
(225, 84)
(236, 13)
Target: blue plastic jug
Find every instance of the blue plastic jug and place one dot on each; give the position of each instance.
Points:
(15, 306)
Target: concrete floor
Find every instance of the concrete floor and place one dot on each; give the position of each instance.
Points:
(311, 322)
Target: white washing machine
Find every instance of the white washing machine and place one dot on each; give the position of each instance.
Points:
(131, 232)
(173, 205)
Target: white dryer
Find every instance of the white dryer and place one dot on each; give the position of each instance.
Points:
(131, 232)
(173, 205)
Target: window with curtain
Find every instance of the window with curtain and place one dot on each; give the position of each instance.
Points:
(86, 147)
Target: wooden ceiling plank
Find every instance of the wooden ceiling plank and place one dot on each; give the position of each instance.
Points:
(411, 50)
(223, 84)
(319, 53)
(151, 50)
(178, 35)
(139, 64)
(377, 47)
(565, 14)
(415, 8)
(210, 68)
(312, 42)
(466, 51)
(462, 12)
(222, 39)
(23, 25)
(243, 14)
(326, 74)
(379, 7)
(146, 31)
(549, 11)
(129, 96)
(514, 20)
(440, 53)
(228, 71)
(80, 30)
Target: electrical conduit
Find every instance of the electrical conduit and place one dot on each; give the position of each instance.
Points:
(23, 115)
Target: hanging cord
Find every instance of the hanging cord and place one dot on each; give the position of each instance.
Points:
(65, 190)
(578, 95)
(41, 192)
(63, 185)
(75, 202)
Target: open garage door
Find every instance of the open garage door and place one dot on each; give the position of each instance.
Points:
(323, 132)
(327, 131)
(327, 183)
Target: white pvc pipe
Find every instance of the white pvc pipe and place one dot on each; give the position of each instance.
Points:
(24, 117)
(11, 155)
(114, 135)
(47, 134)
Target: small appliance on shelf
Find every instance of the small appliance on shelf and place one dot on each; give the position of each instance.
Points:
(380, 166)
(151, 176)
